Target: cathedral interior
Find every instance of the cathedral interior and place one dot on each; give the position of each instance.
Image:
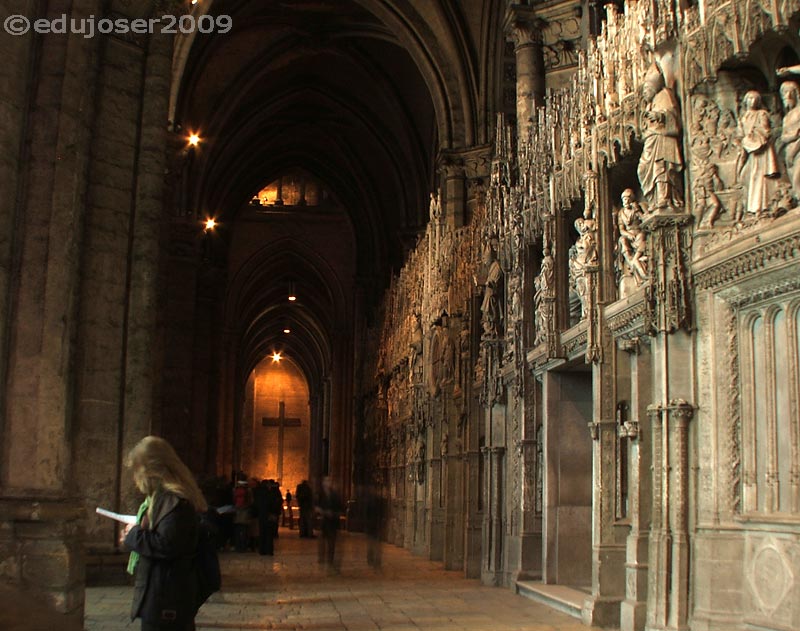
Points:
(528, 268)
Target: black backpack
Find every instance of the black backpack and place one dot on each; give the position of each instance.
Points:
(209, 577)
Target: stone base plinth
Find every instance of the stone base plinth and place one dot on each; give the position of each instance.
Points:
(41, 552)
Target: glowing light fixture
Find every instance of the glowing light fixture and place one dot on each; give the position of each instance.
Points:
(276, 357)
(292, 292)
(194, 140)
(287, 330)
(210, 224)
(194, 1)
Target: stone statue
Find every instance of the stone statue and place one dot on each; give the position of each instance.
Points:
(660, 164)
(706, 184)
(544, 286)
(491, 312)
(757, 163)
(448, 361)
(581, 255)
(632, 242)
(416, 348)
(436, 207)
(790, 135)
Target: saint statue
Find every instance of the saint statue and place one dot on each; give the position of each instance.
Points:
(660, 164)
(436, 207)
(632, 243)
(544, 286)
(790, 135)
(757, 163)
(491, 311)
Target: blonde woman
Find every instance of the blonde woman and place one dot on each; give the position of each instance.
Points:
(163, 543)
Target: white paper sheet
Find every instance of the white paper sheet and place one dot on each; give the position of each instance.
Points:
(125, 519)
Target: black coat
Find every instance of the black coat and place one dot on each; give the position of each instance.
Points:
(165, 589)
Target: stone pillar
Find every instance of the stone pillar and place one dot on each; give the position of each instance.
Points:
(634, 608)
(658, 577)
(680, 413)
(48, 107)
(608, 550)
(531, 519)
(668, 315)
(454, 190)
(492, 571)
(524, 29)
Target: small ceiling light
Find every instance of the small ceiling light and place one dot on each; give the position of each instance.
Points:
(210, 224)
(194, 1)
(276, 357)
(292, 293)
(194, 140)
(287, 330)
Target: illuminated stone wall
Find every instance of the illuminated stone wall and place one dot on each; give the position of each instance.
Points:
(272, 383)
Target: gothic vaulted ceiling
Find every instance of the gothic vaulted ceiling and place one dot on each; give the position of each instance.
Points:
(362, 95)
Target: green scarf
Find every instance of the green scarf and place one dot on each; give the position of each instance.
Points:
(134, 558)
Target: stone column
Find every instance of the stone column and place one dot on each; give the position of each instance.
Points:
(524, 29)
(530, 523)
(680, 413)
(49, 90)
(658, 576)
(634, 607)
(454, 190)
(668, 316)
(608, 550)
(492, 571)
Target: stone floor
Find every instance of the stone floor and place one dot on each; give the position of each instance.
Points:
(291, 592)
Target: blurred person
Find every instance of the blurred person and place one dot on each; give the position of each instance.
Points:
(266, 543)
(242, 501)
(305, 501)
(329, 508)
(288, 515)
(374, 513)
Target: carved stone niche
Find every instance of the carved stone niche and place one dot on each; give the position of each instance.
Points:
(738, 169)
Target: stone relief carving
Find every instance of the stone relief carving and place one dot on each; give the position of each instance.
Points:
(588, 124)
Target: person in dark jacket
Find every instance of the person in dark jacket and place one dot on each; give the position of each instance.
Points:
(163, 542)
(261, 495)
(305, 500)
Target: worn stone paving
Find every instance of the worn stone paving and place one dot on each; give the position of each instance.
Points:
(290, 592)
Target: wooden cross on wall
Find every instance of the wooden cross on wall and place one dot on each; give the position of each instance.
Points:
(281, 422)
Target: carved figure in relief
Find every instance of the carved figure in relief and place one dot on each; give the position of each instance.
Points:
(581, 255)
(448, 361)
(544, 286)
(491, 312)
(416, 348)
(436, 207)
(790, 134)
(757, 163)
(708, 204)
(660, 164)
(632, 242)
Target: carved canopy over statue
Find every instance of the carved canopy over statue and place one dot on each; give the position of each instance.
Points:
(660, 165)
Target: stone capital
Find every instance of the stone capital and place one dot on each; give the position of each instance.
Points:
(681, 410)
(522, 26)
